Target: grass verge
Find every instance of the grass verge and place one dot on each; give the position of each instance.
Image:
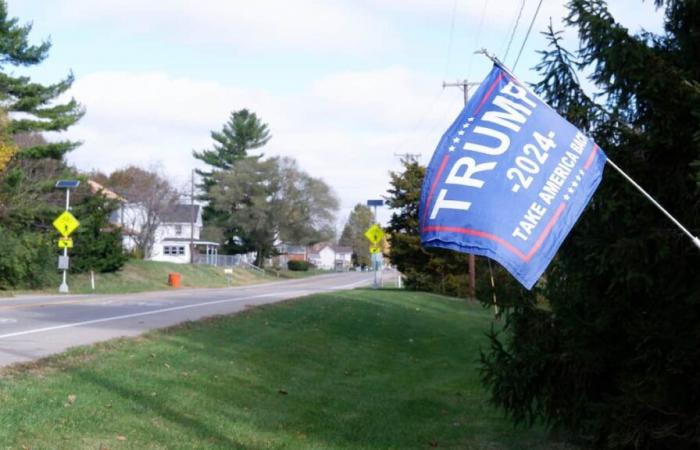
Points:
(139, 276)
(349, 370)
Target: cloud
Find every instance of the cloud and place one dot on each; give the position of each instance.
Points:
(345, 127)
(302, 25)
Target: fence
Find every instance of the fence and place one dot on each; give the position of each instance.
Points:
(225, 260)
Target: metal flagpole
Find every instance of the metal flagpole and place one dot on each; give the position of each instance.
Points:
(692, 237)
(695, 239)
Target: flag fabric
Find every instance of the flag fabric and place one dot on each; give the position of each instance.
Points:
(508, 179)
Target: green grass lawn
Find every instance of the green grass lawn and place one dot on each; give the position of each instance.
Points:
(139, 276)
(358, 369)
(296, 274)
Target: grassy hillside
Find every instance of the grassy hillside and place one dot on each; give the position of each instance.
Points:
(350, 370)
(139, 275)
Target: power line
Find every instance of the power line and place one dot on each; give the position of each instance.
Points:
(477, 40)
(449, 44)
(532, 22)
(515, 28)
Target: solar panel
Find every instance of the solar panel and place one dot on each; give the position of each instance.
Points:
(67, 184)
(375, 202)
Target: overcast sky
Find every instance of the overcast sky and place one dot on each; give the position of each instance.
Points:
(344, 85)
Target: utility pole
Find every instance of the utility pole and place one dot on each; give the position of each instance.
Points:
(464, 86)
(192, 217)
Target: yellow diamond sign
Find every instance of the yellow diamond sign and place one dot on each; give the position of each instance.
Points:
(65, 242)
(66, 223)
(374, 234)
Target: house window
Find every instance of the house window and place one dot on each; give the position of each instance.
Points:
(178, 230)
(173, 250)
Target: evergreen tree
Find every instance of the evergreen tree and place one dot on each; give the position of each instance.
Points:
(98, 244)
(614, 355)
(243, 132)
(434, 270)
(35, 101)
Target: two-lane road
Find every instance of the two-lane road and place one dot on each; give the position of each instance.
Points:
(35, 326)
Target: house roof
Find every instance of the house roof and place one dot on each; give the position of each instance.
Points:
(180, 214)
(96, 187)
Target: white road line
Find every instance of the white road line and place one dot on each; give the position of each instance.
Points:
(163, 310)
(129, 316)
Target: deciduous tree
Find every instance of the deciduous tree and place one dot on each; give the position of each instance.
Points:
(264, 201)
(353, 235)
(148, 195)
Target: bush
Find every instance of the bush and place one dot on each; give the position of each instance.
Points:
(299, 266)
(27, 260)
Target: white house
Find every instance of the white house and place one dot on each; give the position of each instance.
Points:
(177, 231)
(331, 257)
(173, 236)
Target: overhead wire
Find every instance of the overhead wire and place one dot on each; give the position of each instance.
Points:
(451, 38)
(515, 28)
(527, 35)
(430, 108)
(477, 39)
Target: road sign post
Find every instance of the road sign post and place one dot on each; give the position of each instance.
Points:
(374, 235)
(66, 224)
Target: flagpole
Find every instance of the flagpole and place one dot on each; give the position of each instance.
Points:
(692, 237)
(695, 239)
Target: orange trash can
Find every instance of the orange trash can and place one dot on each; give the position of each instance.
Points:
(174, 279)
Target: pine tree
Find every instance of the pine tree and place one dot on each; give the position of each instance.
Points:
(35, 101)
(98, 243)
(243, 132)
(433, 270)
(614, 355)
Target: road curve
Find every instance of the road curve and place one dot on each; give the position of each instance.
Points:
(32, 327)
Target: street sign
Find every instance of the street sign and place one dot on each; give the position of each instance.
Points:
(374, 234)
(375, 248)
(66, 223)
(63, 262)
(65, 242)
(67, 184)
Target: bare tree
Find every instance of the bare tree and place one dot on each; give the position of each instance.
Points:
(149, 195)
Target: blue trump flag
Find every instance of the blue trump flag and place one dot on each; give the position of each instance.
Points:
(508, 179)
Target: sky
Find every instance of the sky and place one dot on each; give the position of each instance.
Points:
(344, 85)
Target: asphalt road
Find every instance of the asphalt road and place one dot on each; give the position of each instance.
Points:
(32, 327)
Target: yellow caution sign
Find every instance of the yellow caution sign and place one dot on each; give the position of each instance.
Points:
(65, 242)
(375, 248)
(66, 223)
(374, 234)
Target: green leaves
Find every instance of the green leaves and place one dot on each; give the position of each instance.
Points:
(262, 201)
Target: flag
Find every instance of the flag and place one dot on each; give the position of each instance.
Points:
(508, 179)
